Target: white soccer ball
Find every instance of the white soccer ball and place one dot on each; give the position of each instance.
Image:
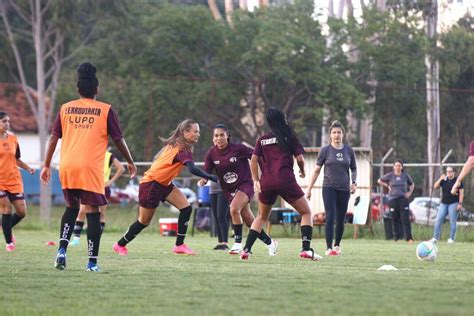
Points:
(427, 251)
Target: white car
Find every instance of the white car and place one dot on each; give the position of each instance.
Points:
(425, 209)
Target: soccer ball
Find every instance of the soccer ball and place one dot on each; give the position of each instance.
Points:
(427, 251)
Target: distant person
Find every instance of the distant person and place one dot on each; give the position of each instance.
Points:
(110, 161)
(468, 166)
(275, 153)
(84, 126)
(220, 211)
(340, 181)
(450, 205)
(156, 186)
(11, 184)
(231, 163)
(400, 187)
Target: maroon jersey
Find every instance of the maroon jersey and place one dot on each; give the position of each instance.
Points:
(276, 164)
(231, 165)
(471, 149)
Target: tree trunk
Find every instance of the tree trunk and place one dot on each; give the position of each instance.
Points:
(432, 97)
(214, 9)
(243, 5)
(229, 10)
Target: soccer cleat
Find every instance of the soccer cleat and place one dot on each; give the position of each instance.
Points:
(236, 249)
(183, 250)
(410, 241)
(221, 247)
(331, 253)
(245, 255)
(10, 247)
(338, 250)
(13, 239)
(92, 267)
(272, 248)
(450, 241)
(433, 240)
(60, 262)
(75, 241)
(310, 254)
(120, 250)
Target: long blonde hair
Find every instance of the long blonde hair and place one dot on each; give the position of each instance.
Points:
(176, 138)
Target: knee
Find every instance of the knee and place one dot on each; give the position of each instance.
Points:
(234, 211)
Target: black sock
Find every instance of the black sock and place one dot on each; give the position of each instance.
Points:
(7, 227)
(237, 232)
(183, 220)
(306, 235)
(131, 233)
(93, 236)
(16, 219)
(102, 226)
(78, 228)
(265, 238)
(253, 235)
(67, 224)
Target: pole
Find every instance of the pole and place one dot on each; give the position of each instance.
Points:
(389, 152)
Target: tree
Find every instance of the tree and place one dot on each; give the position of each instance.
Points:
(45, 26)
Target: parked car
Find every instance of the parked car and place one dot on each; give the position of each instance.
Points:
(425, 209)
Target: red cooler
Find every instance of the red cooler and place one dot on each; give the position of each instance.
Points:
(168, 226)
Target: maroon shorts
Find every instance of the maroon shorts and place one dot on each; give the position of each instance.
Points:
(246, 188)
(12, 196)
(289, 192)
(150, 194)
(107, 193)
(78, 196)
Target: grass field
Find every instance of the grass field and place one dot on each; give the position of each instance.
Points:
(153, 281)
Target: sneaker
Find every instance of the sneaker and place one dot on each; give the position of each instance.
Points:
(433, 240)
(120, 250)
(10, 247)
(338, 250)
(272, 248)
(183, 250)
(310, 254)
(60, 262)
(450, 241)
(245, 255)
(75, 241)
(331, 253)
(92, 267)
(236, 249)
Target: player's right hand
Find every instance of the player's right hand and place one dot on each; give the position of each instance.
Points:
(308, 195)
(132, 169)
(45, 175)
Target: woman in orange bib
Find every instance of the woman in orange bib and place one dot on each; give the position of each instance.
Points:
(11, 185)
(156, 186)
(84, 126)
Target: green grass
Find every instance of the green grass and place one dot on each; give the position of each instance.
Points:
(153, 281)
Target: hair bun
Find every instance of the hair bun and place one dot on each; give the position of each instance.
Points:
(86, 70)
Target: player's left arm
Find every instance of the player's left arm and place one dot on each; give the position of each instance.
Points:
(120, 170)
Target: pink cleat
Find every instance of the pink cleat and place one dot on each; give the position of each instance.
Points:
(183, 250)
(310, 254)
(244, 255)
(10, 247)
(332, 253)
(120, 250)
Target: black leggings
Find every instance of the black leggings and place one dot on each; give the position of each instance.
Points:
(335, 205)
(220, 210)
(400, 218)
